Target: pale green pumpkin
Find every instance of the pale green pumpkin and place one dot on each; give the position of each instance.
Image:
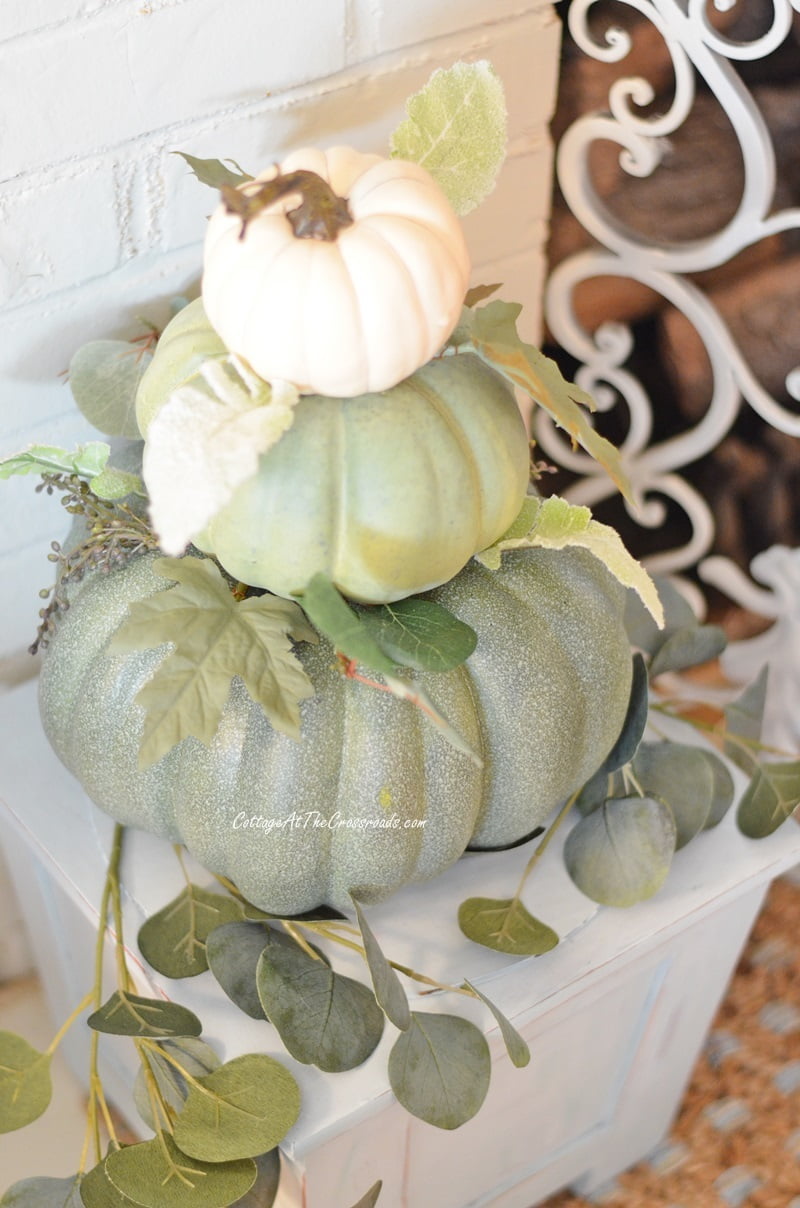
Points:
(388, 494)
(542, 699)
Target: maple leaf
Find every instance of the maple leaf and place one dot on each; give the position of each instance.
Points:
(214, 638)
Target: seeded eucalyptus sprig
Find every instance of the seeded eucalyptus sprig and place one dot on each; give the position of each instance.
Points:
(114, 534)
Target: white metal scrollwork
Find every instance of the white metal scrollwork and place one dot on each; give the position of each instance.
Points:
(695, 46)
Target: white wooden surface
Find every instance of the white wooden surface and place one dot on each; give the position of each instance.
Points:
(614, 1016)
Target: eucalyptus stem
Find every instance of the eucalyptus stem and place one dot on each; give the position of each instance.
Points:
(322, 929)
(541, 848)
(292, 930)
(96, 1096)
(85, 1002)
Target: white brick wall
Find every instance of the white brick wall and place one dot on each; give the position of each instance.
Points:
(99, 223)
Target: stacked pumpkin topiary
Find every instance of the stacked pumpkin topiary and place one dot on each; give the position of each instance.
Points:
(332, 422)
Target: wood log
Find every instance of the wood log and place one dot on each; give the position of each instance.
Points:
(762, 312)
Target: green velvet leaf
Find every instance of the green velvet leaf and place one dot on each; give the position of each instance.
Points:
(456, 128)
(241, 1110)
(170, 1062)
(265, 1189)
(116, 484)
(622, 853)
(516, 1047)
(214, 172)
(744, 719)
(554, 523)
(214, 638)
(156, 1174)
(440, 1068)
(771, 797)
(174, 939)
(25, 1086)
(104, 377)
(372, 1196)
(681, 776)
(206, 441)
(390, 995)
(420, 634)
(493, 336)
(86, 461)
(44, 1193)
(344, 629)
(126, 1014)
(506, 926)
(323, 1018)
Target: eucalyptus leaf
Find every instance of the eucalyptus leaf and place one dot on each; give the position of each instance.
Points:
(323, 1018)
(640, 625)
(241, 1110)
(635, 721)
(214, 172)
(723, 792)
(554, 523)
(516, 1047)
(126, 1014)
(744, 719)
(232, 952)
(44, 1193)
(174, 939)
(771, 797)
(389, 993)
(621, 853)
(86, 461)
(265, 1189)
(598, 789)
(372, 1196)
(420, 634)
(440, 1068)
(156, 1174)
(195, 1058)
(493, 336)
(333, 617)
(104, 377)
(504, 925)
(97, 1191)
(688, 648)
(681, 776)
(215, 637)
(456, 128)
(25, 1085)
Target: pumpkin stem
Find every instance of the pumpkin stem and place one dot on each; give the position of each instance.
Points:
(319, 214)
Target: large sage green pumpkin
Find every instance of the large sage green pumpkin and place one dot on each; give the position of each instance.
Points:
(388, 494)
(296, 824)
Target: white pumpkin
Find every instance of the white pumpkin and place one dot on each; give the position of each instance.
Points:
(349, 315)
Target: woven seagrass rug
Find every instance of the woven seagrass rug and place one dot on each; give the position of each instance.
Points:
(736, 1141)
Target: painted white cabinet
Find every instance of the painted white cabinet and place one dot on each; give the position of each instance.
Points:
(615, 1016)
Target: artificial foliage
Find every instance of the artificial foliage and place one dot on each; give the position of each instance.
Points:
(198, 647)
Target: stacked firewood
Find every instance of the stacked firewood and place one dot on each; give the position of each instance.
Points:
(752, 481)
